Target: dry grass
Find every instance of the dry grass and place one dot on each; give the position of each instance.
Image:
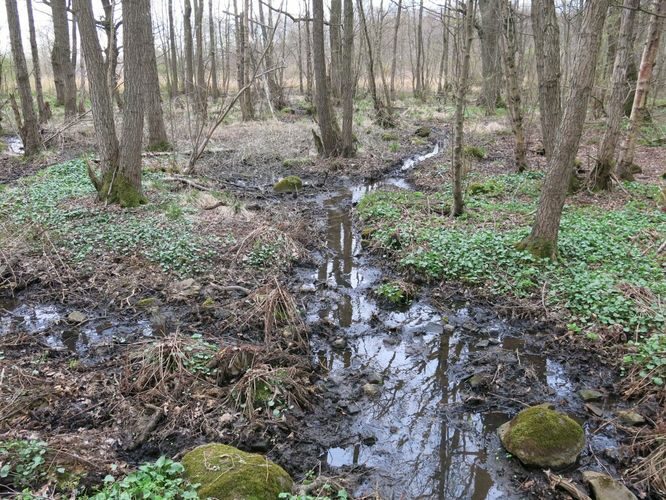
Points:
(650, 470)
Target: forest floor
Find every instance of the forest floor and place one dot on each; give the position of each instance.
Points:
(351, 331)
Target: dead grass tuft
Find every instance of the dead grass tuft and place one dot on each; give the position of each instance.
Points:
(650, 470)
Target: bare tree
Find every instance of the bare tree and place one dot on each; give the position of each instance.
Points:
(212, 49)
(489, 35)
(625, 164)
(348, 148)
(328, 142)
(44, 110)
(600, 177)
(394, 54)
(336, 48)
(63, 71)
(200, 93)
(26, 120)
(111, 29)
(189, 48)
(461, 94)
(542, 241)
(173, 60)
(547, 56)
(508, 52)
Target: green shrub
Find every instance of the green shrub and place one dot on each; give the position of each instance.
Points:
(23, 463)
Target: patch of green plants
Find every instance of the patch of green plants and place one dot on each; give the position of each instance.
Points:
(394, 147)
(649, 356)
(478, 152)
(162, 479)
(394, 292)
(23, 463)
(61, 200)
(607, 272)
(263, 254)
(491, 187)
(198, 355)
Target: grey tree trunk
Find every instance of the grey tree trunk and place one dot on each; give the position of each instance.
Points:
(157, 136)
(328, 127)
(463, 77)
(275, 90)
(419, 87)
(625, 164)
(308, 54)
(542, 241)
(29, 128)
(111, 29)
(44, 112)
(189, 48)
(547, 55)
(394, 55)
(348, 147)
(212, 50)
(600, 178)
(173, 60)
(489, 35)
(63, 72)
(336, 48)
(201, 83)
(508, 51)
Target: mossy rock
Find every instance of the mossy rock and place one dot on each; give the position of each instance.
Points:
(423, 132)
(541, 437)
(289, 184)
(227, 473)
(390, 136)
(297, 162)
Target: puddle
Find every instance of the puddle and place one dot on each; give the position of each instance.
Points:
(417, 438)
(48, 323)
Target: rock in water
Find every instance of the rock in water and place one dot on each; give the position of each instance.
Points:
(227, 473)
(590, 395)
(289, 184)
(422, 132)
(631, 417)
(607, 488)
(542, 437)
(76, 317)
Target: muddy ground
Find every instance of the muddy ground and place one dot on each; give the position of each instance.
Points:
(302, 362)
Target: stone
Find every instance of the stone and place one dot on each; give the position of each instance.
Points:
(448, 329)
(76, 317)
(478, 380)
(629, 417)
(375, 378)
(606, 488)
(146, 302)
(542, 437)
(423, 132)
(186, 288)
(289, 184)
(590, 395)
(227, 473)
(339, 343)
(226, 419)
(482, 344)
(308, 288)
(371, 390)
(353, 409)
(594, 409)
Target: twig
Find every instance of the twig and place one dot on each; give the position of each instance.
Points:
(189, 182)
(565, 484)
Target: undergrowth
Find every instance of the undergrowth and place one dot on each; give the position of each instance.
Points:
(608, 273)
(61, 199)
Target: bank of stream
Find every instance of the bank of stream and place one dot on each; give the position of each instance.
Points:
(420, 391)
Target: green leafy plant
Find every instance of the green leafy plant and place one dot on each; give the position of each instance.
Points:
(649, 357)
(162, 479)
(394, 292)
(23, 463)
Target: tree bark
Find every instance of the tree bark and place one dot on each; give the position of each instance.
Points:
(463, 77)
(173, 51)
(112, 53)
(330, 136)
(63, 72)
(394, 55)
(308, 54)
(44, 112)
(542, 241)
(201, 83)
(547, 55)
(625, 164)
(189, 48)
(508, 52)
(489, 34)
(275, 90)
(215, 89)
(157, 136)
(336, 48)
(348, 148)
(29, 128)
(419, 88)
(600, 178)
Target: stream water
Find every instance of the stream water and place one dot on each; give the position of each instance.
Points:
(414, 439)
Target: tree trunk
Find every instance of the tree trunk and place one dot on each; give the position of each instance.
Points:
(111, 29)
(308, 54)
(136, 22)
(394, 55)
(336, 48)
(348, 148)
(442, 83)
(328, 127)
(189, 48)
(215, 90)
(600, 178)
(63, 72)
(625, 164)
(508, 51)
(157, 136)
(542, 242)
(467, 38)
(419, 90)
(300, 60)
(201, 83)
(29, 128)
(172, 49)
(547, 55)
(489, 34)
(44, 112)
(274, 88)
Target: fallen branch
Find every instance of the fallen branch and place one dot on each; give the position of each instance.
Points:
(565, 484)
(189, 182)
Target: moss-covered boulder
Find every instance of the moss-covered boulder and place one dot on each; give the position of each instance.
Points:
(227, 473)
(542, 437)
(289, 184)
(423, 132)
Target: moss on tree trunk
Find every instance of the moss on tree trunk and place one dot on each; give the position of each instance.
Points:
(539, 247)
(119, 189)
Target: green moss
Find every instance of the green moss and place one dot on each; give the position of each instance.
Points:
(423, 132)
(390, 136)
(543, 437)
(474, 152)
(289, 184)
(297, 162)
(226, 473)
(121, 191)
(538, 247)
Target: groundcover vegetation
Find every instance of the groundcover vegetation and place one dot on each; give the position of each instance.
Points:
(608, 272)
